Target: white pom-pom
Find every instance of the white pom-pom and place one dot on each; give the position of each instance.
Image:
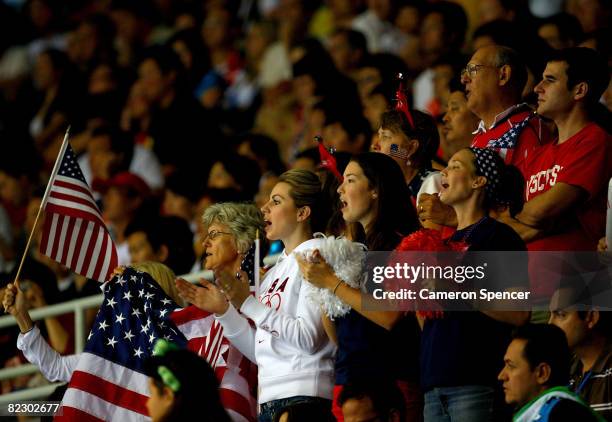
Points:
(347, 259)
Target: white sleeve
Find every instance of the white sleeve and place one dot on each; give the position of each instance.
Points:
(237, 329)
(432, 184)
(304, 331)
(53, 366)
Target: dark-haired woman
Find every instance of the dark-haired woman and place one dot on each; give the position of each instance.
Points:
(182, 387)
(372, 345)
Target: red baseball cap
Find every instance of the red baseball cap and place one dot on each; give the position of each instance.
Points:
(124, 179)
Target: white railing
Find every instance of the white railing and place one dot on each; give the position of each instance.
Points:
(78, 307)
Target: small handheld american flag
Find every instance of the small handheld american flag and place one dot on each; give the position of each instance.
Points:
(74, 232)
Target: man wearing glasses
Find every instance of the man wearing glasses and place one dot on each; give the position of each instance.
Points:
(494, 79)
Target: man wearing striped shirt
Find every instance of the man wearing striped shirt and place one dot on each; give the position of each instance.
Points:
(589, 334)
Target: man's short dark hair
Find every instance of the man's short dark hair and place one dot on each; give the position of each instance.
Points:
(385, 396)
(546, 343)
(505, 56)
(584, 65)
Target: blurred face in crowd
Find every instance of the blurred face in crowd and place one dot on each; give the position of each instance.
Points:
(408, 19)
(45, 75)
(357, 198)
(335, 136)
(382, 8)
(215, 28)
(256, 42)
(141, 250)
(220, 249)
(340, 52)
(367, 79)
(220, 178)
(373, 107)
(177, 205)
(432, 39)
(101, 80)
(480, 80)
(304, 87)
(576, 329)
(554, 98)
(12, 190)
(118, 207)
(550, 33)
(459, 123)
(153, 82)
(490, 10)
(520, 382)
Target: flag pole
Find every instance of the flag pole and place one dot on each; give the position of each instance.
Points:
(42, 205)
(256, 264)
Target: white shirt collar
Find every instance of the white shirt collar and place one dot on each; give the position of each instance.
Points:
(498, 118)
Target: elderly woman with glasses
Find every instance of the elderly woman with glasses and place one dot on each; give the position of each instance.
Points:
(231, 229)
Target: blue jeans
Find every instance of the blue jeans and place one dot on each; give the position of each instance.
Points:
(268, 410)
(466, 403)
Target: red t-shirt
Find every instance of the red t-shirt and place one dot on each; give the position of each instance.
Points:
(584, 160)
(532, 136)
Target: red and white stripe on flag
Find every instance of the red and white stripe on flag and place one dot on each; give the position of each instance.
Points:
(101, 390)
(234, 371)
(74, 233)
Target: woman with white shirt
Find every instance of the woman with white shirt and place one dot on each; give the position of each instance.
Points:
(288, 342)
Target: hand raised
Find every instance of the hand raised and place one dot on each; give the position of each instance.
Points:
(208, 297)
(316, 270)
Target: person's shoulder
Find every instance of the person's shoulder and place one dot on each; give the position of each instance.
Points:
(567, 410)
(501, 237)
(592, 133)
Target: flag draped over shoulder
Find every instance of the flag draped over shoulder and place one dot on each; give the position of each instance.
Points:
(235, 373)
(109, 382)
(74, 233)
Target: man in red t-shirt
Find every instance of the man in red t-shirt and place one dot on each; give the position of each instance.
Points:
(566, 180)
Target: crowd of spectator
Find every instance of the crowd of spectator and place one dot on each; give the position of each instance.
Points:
(488, 121)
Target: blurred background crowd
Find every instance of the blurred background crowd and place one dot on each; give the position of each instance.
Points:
(176, 105)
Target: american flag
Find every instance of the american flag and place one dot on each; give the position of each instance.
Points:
(109, 382)
(74, 233)
(509, 139)
(396, 151)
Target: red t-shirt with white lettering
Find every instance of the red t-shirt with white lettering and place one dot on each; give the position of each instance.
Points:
(585, 161)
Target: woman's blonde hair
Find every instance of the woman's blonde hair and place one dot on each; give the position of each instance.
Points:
(163, 275)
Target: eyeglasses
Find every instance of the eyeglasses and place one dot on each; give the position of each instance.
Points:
(472, 69)
(212, 235)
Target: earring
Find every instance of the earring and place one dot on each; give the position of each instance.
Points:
(408, 162)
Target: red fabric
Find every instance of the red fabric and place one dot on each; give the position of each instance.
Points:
(532, 136)
(72, 414)
(585, 161)
(110, 392)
